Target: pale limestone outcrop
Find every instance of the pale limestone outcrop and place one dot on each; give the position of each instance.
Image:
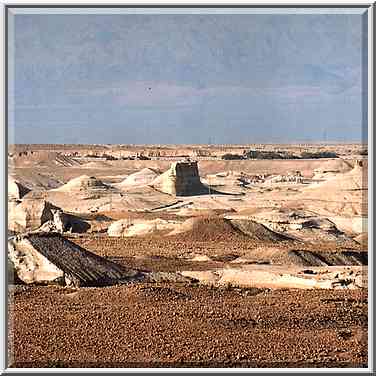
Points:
(182, 179)
(139, 178)
(344, 194)
(50, 258)
(30, 214)
(30, 265)
(15, 189)
(59, 220)
(281, 277)
(82, 183)
(140, 227)
(298, 224)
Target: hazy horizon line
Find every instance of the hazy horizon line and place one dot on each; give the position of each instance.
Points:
(202, 144)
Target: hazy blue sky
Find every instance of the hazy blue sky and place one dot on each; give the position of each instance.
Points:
(183, 78)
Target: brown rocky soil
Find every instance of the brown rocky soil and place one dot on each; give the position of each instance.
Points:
(167, 253)
(187, 326)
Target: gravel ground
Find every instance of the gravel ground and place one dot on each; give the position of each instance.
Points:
(170, 254)
(183, 243)
(166, 325)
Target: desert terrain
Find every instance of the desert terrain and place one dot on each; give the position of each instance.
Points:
(188, 256)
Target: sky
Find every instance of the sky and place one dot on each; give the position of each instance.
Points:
(187, 78)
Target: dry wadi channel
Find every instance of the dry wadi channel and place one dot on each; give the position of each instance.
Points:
(163, 261)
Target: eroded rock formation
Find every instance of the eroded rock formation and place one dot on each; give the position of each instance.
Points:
(182, 179)
(30, 214)
(15, 189)
(50, 258)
